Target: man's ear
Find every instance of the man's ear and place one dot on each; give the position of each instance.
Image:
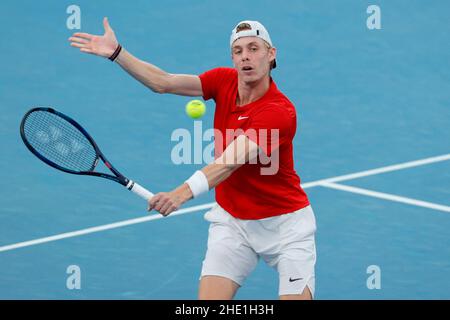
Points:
(273, 53)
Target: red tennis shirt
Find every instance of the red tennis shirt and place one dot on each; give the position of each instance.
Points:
(271, 186)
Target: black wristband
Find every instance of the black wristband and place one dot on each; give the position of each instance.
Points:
(116, 53)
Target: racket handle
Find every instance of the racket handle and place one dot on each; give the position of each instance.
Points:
(140, 190)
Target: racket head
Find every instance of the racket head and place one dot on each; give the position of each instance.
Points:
(61, 142)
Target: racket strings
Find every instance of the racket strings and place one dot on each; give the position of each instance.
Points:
(59, 141)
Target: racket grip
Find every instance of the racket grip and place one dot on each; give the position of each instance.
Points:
(141, 191)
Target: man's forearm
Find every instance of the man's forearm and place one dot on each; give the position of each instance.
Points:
(239, 152)
(216, 173)
(146, 73)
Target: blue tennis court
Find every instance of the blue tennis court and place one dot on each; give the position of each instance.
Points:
(372, 146)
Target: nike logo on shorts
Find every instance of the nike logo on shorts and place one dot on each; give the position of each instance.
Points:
(292, 280)
(242, 118)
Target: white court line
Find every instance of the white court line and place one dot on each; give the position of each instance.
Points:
(102, 228)
(386, 196)
(210, 205)
(372, 172)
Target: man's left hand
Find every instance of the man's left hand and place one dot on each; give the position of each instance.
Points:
(168, 202)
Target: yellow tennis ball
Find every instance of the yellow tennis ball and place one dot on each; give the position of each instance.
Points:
(195, 109)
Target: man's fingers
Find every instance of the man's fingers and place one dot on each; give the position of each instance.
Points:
(165, 208)
(86, 50)
(78, 40)
(171, 209)
(161, 203)
(156, 202)
(106, 24)
(83, 35)
(151, 203)
(79, 45)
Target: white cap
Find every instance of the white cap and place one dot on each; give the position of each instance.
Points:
(256, 29)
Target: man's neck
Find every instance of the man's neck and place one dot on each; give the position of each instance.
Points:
(250, 92)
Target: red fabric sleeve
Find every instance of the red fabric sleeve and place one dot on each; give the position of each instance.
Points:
(212, 80)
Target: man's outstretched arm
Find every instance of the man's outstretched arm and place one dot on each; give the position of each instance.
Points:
(149, 75)
(242, 150)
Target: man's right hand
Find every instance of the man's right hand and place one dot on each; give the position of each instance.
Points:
(103, 46)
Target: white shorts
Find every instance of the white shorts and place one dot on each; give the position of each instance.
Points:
(285, 242)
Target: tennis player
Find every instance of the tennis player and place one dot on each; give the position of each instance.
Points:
(258, 214)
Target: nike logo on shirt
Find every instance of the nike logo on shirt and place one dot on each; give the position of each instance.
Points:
(242, 118)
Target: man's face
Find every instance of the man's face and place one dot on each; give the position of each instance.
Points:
(251, 57)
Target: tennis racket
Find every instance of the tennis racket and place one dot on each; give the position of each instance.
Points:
(63, 144)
